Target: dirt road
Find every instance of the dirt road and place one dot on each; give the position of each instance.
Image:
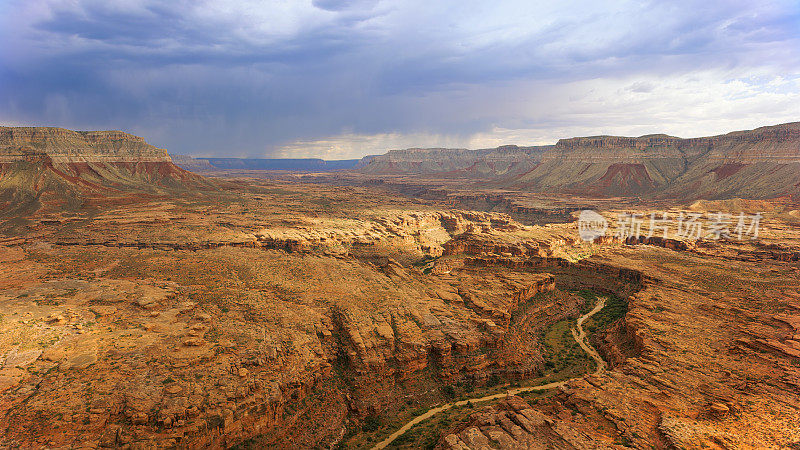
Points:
(580, 338)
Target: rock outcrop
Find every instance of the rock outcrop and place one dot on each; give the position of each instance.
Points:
(760, 163)
(54, 167)
(192, 164)
(296, 316)
(67, 146)
(504, 160)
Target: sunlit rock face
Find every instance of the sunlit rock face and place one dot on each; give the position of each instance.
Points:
(161, 309)
(63, 145)
(54, 168)
(661, 166)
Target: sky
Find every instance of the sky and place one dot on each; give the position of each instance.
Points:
(339, 79)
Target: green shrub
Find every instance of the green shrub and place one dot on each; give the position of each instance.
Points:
(371, 423)
(449, 391)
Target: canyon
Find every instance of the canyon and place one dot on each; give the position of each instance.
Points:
(145, 306)
(760, 163)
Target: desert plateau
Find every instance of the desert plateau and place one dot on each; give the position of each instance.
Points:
(145, 306)
(383, 224)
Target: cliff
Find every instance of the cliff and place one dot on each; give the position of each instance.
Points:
(779, 143)
(456, 162)
(61, 145)
(760, 163)
(191, 164)
(43, 167)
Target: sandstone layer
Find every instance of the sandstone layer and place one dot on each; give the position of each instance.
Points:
(760, 163)
(148, 309)
(54, 168)
(61, 145)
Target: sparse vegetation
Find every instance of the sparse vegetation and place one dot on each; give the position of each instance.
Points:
(616, 308)
(562, 354)
(286, 307)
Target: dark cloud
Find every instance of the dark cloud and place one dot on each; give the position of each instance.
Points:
(244, 77)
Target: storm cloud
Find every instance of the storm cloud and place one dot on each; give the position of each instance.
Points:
(344, 78)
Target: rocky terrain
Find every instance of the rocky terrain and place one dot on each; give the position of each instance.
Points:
(154, 339)
(726, 378)
(505, 160)
(61, 145)
(260, 313)
(57, 169)
(760, 163)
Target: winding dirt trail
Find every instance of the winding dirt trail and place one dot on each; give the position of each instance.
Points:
(583, 341)
(580, 338)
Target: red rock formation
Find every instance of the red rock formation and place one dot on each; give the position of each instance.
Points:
(54, 166)
(731, 165)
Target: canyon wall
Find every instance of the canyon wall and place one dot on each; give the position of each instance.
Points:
(760, 163)
(61, 145)
(43, 167)
(455, 162)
